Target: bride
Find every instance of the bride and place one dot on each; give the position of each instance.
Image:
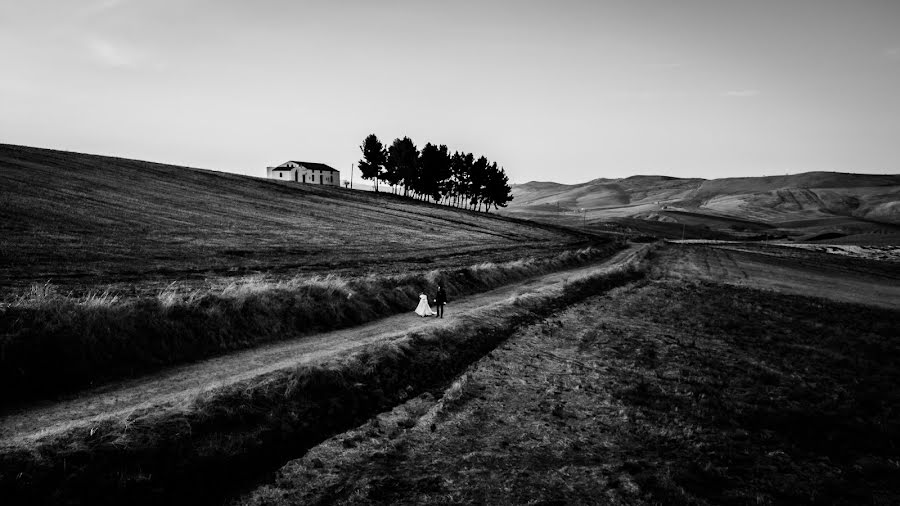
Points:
(423, 309)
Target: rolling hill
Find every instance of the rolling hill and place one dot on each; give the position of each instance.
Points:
(837, 205)
(83, 220)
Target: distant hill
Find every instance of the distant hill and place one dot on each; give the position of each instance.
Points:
(79, 219)
(808, 204)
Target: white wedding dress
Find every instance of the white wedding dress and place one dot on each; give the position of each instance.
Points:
(423, 309)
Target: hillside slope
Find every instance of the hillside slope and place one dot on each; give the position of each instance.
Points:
(615, 197)
(80, 220)
(808, 203)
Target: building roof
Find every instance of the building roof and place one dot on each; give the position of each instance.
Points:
(308, 165)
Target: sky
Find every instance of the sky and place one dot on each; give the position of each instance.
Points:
(565, 91)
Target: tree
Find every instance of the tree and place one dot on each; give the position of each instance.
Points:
(497, 190)
(442, 172)
(461, 167)
(402, 159)
(457, 176)
(433, 171)
(391, 175)
(477, 180)
(458, 179)
(374, 157)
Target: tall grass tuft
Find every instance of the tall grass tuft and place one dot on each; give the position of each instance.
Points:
(37, 295)
(97, 299)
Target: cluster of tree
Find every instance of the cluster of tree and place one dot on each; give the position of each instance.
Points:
(434, 174)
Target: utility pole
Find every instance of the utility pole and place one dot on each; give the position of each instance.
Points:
(351, 176)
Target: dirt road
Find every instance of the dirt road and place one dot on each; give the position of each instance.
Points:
(177, 387)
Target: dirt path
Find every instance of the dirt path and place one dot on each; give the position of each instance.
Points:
(178, 386)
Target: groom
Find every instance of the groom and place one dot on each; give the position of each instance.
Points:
(440, 301)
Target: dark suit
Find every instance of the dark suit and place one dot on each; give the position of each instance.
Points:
(441, 299)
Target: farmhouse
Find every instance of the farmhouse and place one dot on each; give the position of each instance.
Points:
(305, 172)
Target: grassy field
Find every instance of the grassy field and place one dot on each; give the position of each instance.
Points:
(656, 393)
(87, 222)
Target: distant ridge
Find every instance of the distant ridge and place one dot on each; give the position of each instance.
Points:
(803, 180)
(807, 203)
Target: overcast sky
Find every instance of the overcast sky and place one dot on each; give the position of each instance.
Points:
(563, 91)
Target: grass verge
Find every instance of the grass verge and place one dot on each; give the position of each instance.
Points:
(241, 431)
(51, 343)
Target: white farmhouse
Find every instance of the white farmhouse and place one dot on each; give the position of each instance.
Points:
(305, 172)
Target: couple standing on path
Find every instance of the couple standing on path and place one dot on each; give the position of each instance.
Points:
(424, 309)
